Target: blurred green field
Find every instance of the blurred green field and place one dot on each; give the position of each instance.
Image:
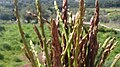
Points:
(11, 54)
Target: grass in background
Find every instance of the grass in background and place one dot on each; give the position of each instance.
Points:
(12, 55)
(102, 35)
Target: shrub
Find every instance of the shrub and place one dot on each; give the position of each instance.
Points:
(6, 46)
(27, 36)
(1, 56)
(114, 16)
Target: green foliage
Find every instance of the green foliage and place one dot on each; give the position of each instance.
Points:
(83, 48)
(10, 47)
(104, 3)
(114, 16)
(107, 15)
(1, 56)
(16, 45)
(10, 40)
(6, 46)
(6, 9)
